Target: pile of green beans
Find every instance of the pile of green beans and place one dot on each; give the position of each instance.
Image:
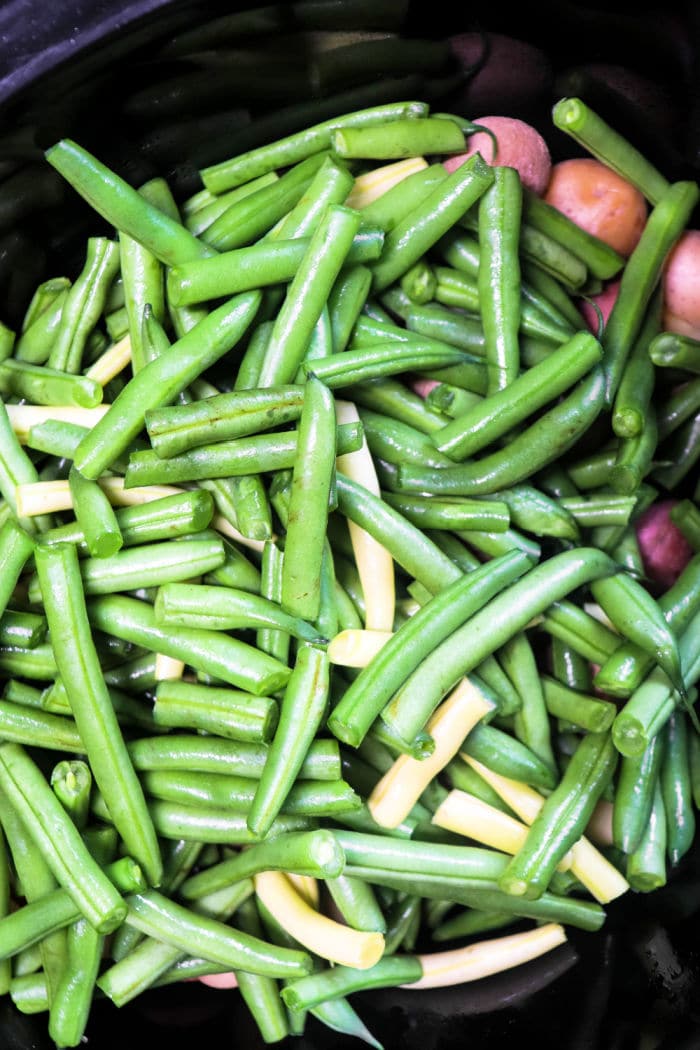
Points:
(290, 476)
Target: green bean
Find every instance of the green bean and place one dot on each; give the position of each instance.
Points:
(36, 880)
(155, 915)
(233, 795)
(22, 629)
(634, 795)
(491, 677)
(399, 139)
(34, 343)
(563, 817)
(532, 510)
(314, 853)
(626, 667)
(553, 257)
(499, 413)
(578, 120)
(270, 640)
(436, 322)
(143, 278)
(455, 513)
(395, 400)
(678, 407)
(680, 455)
(308, 504)
(420, 282)
(419, 636)
(56, 909)
(296, 147)
(531, 721)
(53, 831)
(38, 663)
(215, 825)
(71, 781)
(151, 958)
(340, 1016)
(392, 206)
(217, 755)
(314, 278)
(535, 447)
(640, 276)
(587, 712)
(161, 380)
(469, 922)
(674, 780)
(260, 993)
(95, 516)
(238, 457)
(345, 303)
(16, 547)
(301, 710)
(357, 904)
(72, 998)
(499, 276)
(47, 386)
(601, 260)
(123, 206)
(485, 894)
(84, 304)
(409, 240)
(593, 511)
(488, 629)
(494, 544)
(225, 712)
(78, 665)
(227, 658)
(646, 865)
(197, 219)
(508, 756)
(151, 565)
(635, 458)
(686, 516)
(632, 401)
(584, 633)
(29, 993)
(651, 704)
(181, 514)
(637, 616)
(343, 980)
(219, 608)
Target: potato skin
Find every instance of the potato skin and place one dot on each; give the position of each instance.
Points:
(681, 286)
(514, 76)
(599, 200)
(520, 146)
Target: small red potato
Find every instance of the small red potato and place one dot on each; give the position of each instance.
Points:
(520, 146)
(598, 200)
(681, 286)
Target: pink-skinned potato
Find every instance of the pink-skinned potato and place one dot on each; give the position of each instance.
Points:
(519, 146)
(598, 200)
(604, 300)
(512, 77)
(664, 549)
(681, 286)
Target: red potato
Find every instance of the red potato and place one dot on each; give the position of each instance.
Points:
(220, 980)
(605, 300)
(599, 200)
(664, 549)
(681, 286)
(520, 146)
(513, 77)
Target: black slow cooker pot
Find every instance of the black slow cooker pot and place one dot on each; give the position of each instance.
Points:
(144, 86)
